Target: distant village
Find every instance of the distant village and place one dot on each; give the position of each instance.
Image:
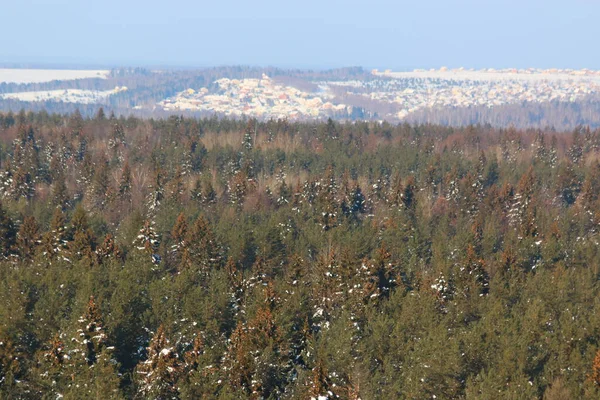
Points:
(379, 95)
(260, 98)
(488, 87)
(405, 91)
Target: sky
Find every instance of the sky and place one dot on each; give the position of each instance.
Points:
(319, 34)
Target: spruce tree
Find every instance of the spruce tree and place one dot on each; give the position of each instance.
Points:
(125, 183)
(8, 233)
(54, 242)
(108, 249)
(93, 367)
(28, 238)
(156, 377)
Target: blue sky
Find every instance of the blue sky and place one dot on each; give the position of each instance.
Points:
(308, 33)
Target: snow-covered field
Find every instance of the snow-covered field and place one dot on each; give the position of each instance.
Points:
(64, 95)
(529, 75)
(16, 75)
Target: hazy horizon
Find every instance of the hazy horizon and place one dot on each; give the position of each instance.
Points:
(308, 34)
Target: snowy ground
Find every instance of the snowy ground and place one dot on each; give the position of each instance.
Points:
(64, 95)
(47, 75)
(527, 75)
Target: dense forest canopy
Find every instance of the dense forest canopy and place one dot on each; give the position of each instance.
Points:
(214, 258)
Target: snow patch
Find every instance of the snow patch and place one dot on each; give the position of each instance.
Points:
(18, 75)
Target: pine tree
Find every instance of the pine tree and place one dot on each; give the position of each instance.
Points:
(156, 195)
(595, 375)
(60, 194)
(540, 152)
(326, 282)
(196, 191)
(147, 240)
(55, 240)
(53, 369)
(238, 188)
(567, 184)
(203, 249)
(101, 186)
(320, 384)
(125, 183)
(472, 195)
(180, 252)
(209, 195)
(108, 249)
(255, 361)
(79, 220)
(378, 280)
(25, 163)
(76, 122)
(28, 238)
(553, 154)
(408, 194)
(522, 210)
(176, 188)
(237, 361)
(94, 370)
(576, 149)
(472, 278)
(198, 375)
(396, 192)
(8, 233)
(158, 374)
(83, 245)
(82, 248)
(590, 190)
(22, 184)
(327, 206)
(284, 194)
(11, 369)
(249, 133)
(236, 286)
(358, 201)
(100, 115)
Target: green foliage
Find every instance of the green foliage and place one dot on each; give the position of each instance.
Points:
(247, 259)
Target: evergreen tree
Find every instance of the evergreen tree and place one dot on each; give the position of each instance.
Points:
(180, 252)
(28, 238)
(595, 375)
(11, 370)
(108, 249)
(175, 187)
(155, 198)
(83, 244)
(55, 240)
(320, 385)
(101, 186)
(148, 240)
(125, 183)
(209, 195)
(60, 194)
(326, 201)
(203, 249)
(8, 233)
(94, 370)
(157, 376)
(576, 150)
(53, 369)
(249, 133)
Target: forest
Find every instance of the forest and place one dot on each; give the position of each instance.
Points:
(207, 258)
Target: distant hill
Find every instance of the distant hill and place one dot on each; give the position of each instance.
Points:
(524, 98)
